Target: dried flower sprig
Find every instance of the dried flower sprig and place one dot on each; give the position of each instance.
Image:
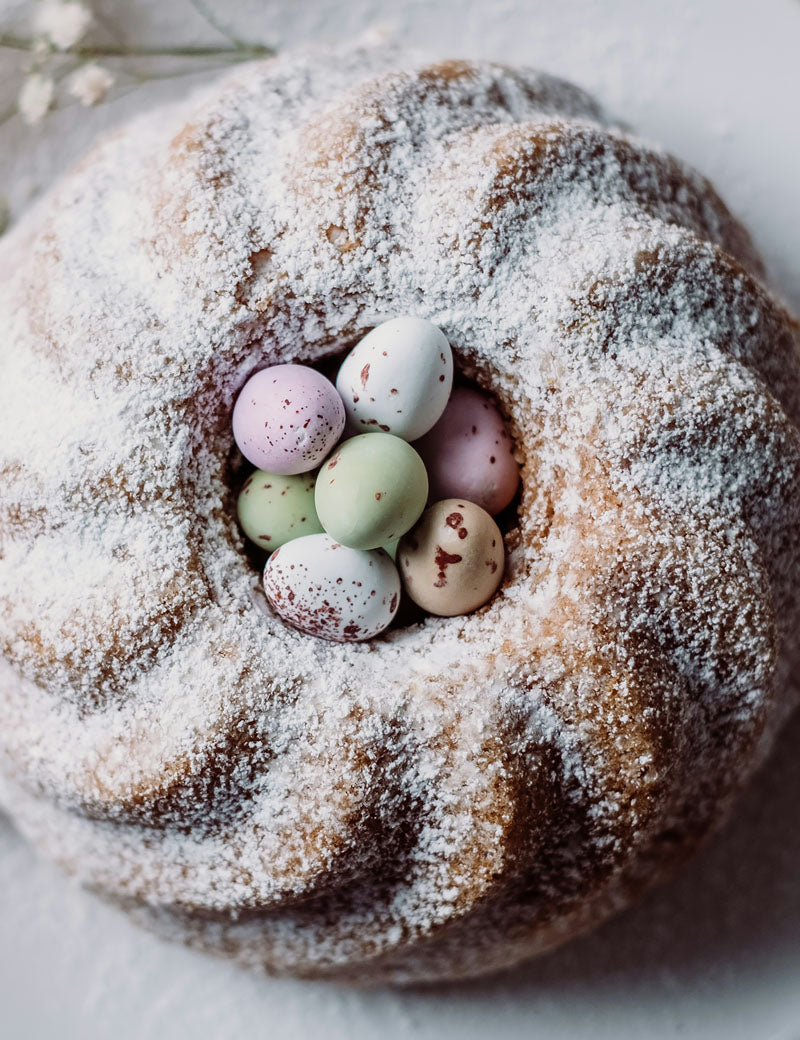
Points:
(36, 97)
(90, 84)
(62, 23)
(59, 51)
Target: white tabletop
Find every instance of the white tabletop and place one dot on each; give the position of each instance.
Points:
(717, 952)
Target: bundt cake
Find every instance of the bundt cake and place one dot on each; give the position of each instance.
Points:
(458, 793)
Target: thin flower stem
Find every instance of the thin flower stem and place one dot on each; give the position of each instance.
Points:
(142, 76)
(112, 50)
(15, 43)
(109, 25)
(208, 16)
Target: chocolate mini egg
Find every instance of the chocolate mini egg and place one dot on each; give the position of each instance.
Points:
(327, 590)
(451, 562)
(397, 379)
(468, 453)
(273, 509)
(287, 418)
(371, 490)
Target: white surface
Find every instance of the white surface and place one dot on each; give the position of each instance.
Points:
(716, 953)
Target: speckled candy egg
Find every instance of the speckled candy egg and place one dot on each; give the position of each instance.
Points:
(371, 490)
(287, 418)
(397, 379)
(468, 453)
(327, 590)
(273, 509)
(452, 560)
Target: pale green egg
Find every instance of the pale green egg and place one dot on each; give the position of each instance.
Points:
(371, 490)
(274, 509)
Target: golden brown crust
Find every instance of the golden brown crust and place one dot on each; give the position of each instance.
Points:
(459, 793)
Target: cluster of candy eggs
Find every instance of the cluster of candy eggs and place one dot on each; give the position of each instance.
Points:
(339, 496)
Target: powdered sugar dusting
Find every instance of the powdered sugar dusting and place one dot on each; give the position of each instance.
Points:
(456, 794)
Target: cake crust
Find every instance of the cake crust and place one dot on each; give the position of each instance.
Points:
(459, 794)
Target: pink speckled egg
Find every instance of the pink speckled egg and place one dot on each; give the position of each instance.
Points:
(327, 590)
(287, 419)
(468, 453)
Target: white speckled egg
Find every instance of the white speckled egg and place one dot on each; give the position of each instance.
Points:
(397, 379)
(327, 590)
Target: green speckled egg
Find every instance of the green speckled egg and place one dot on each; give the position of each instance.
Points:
(274, 509)
(371, 490)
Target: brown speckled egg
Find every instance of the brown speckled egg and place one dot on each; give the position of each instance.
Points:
(451, 561)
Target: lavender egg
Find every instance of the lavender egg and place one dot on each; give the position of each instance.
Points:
(468, 453)
(287, 419)
(327, 590)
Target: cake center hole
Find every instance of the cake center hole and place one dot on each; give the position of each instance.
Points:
(375, 487)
